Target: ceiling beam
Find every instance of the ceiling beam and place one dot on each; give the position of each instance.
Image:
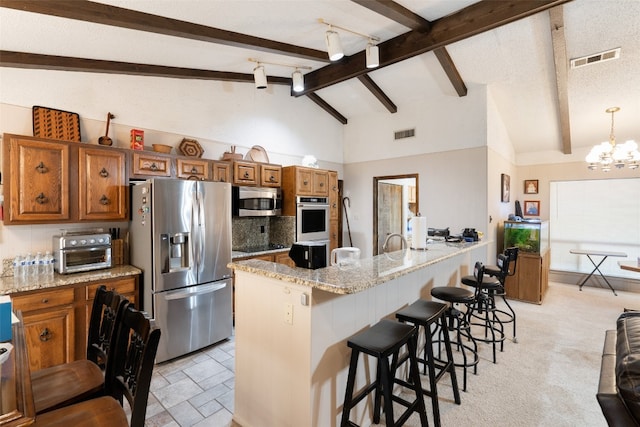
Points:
(556, 17)
(475, 19)
(66, 63)
(404, 16)
(378, 93)
(100, 13)
(328, 108)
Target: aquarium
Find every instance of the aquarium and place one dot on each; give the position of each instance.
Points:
(530, 237)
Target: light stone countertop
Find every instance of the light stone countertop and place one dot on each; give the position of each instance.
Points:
(369, 273)
(241, 254)
(9, 285)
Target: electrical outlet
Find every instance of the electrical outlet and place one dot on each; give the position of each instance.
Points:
(288, 313)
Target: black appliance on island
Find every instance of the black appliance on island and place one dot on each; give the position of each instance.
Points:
(310, 254)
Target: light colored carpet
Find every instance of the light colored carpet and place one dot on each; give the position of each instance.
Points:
(550, 376)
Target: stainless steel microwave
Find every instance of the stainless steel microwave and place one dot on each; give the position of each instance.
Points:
(256, 201)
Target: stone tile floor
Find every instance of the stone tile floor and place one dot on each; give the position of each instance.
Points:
(194, 390)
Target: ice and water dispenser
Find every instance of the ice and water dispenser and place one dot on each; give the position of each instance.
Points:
(174, 252)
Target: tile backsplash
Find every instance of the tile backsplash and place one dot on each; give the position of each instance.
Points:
(255, 232)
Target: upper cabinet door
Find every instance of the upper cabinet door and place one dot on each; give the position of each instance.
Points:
(38, 174)
(102, 184)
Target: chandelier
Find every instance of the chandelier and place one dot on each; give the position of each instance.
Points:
(609, 153)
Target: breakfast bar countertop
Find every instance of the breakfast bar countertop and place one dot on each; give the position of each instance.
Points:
(368, 273)
(10, 285)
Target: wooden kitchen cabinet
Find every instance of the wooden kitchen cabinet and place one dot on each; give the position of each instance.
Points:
(146, 165)
(102, 184)
(257, 174)
(53, 182)
(127, 287)
(304, 181)
(221, 171)
(193, 169)
(49, 323)
(531, 280)
(245, 173)
(37, 187)
(270, 175)
(56, 319)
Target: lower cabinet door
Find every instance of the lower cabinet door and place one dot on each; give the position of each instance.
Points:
(50, 337)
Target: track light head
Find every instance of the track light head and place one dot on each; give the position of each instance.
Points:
(260, 77)
(334, 46)
(373, 56)
(298, 81)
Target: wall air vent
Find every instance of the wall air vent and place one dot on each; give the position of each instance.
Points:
(407, 133)
(597, 57)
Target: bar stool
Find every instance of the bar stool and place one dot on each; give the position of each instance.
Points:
(459, 322)
(382, 340)
(501, 271)
(426, 314)
(485, 311)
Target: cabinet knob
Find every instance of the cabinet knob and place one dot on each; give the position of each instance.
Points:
(153, 167)
(45, 335)
(194, 170)
(104, 173)
(41, 168)
(41, 199)
(45, 300)
(246, 175)
(305, 182)
(272, 178)
(104, 200)
(322, 184)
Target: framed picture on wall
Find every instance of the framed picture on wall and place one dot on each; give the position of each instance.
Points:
(505, 187)
(530, 186)
(531, 208)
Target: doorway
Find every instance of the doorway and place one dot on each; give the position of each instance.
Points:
(395, 202)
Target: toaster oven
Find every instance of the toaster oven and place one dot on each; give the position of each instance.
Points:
(81, 251)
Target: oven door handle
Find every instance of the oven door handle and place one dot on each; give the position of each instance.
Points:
(195, 291)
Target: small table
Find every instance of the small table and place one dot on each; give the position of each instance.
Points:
(604, 255)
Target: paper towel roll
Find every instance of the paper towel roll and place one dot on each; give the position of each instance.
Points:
(419, 232)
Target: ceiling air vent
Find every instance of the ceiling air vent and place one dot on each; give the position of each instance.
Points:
(598, 57)
(407, 133)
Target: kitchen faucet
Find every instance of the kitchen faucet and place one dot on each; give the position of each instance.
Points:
(386, 241)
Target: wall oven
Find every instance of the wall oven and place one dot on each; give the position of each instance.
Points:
(312, 218)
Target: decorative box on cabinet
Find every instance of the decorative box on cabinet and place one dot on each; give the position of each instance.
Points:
(49, 323)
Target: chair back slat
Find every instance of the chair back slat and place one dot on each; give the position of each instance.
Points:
(512, 254)
(107, 307)
(133, 354)
(478, 272)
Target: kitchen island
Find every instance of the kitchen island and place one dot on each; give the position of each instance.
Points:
(292, 325)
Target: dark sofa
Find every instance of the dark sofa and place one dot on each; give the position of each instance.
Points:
(619, 387)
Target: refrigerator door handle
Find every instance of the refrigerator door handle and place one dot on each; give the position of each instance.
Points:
(199, 290)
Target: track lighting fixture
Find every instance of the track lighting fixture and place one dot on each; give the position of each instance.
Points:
(260, 77)
(373, 56)
(334, 46)
(298, 81)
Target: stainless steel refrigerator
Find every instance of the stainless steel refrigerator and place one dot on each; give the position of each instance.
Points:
(180, 236)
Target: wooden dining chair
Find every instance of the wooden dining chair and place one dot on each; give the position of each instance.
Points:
(127, 376)
(72, 382)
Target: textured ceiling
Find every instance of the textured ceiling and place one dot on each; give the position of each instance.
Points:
(515, 61)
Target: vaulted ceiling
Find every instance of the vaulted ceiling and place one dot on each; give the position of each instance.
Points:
(520, 50)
